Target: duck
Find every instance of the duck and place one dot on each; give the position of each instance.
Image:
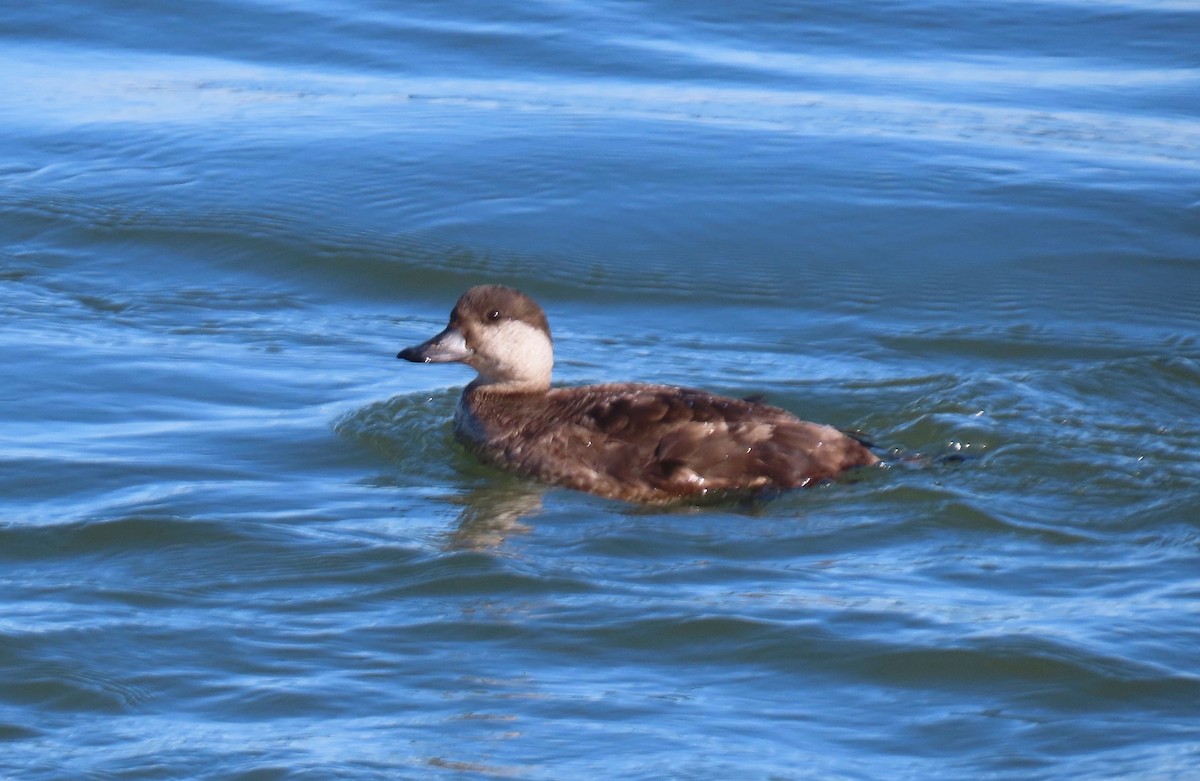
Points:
(635, 442)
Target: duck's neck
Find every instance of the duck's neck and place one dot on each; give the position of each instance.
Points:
(506, 387)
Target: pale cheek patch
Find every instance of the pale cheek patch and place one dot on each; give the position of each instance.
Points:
(518, 350)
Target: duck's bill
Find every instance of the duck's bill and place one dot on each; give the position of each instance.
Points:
(447, 347)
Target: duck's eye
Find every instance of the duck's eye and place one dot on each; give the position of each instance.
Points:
(494, 314)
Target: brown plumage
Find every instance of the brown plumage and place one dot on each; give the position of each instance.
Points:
(641, 443)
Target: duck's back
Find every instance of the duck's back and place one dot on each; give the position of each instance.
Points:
(652, 443)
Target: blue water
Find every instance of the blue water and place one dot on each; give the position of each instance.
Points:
(238, 540)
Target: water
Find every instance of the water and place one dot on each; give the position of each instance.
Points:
(237, 540)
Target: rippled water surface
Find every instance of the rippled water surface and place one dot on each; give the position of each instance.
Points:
(238, 540)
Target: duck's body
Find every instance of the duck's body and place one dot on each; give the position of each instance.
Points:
(651, 443)
(641, 443)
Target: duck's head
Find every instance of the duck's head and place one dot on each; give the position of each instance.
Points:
(500, 333)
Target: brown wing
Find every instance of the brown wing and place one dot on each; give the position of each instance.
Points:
(679, 442)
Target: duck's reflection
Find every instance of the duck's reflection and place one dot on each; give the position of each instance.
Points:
(493, 512)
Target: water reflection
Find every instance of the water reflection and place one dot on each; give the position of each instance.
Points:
(492, 513)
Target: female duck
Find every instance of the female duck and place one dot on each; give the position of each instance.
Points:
(641, 443)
